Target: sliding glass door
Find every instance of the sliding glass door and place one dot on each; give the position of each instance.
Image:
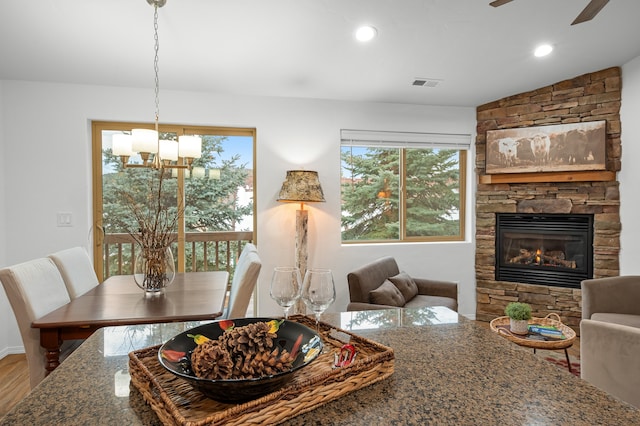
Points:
(213, 199)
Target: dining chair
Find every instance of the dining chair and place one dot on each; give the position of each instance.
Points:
(76, 269)
(244, 282)
(34, 288)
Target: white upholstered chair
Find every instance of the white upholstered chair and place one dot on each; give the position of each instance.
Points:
(244, 282)
(34, 289)
(76, 269)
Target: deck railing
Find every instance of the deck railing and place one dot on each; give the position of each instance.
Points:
(204, 251)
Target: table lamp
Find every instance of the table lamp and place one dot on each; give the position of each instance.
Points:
(301, 186)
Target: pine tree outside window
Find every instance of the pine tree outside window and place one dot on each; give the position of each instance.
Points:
(399, 186)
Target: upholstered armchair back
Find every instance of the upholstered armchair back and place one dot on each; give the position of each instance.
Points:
(611, 295)
(369, 277)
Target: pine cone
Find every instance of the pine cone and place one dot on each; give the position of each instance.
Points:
(262, 364)
(248, 340)
(240, 353)
(211, 360)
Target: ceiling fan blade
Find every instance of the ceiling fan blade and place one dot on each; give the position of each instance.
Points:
(497, 3)
(590, 11)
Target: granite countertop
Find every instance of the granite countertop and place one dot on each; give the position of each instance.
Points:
(448, 370)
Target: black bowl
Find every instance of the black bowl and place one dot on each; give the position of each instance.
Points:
(175, 356)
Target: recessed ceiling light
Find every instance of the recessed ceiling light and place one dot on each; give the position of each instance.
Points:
(366, 33)
(543, 50)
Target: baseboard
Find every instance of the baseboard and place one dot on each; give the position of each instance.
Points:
(11, 350)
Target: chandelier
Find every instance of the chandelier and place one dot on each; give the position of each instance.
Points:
(155, 152)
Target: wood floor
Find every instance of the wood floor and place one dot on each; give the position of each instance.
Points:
(14, 376)
(14, 381)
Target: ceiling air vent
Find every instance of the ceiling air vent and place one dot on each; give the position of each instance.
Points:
(426, 82)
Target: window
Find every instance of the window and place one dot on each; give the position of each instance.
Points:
(217, 217)
(402, 186)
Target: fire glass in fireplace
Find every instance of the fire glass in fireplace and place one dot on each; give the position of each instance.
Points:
(550, 249)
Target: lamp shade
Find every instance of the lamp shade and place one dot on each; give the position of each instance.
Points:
(190, 146)
(301, 186)
(144, 140)
(168, 150)
(121, 145)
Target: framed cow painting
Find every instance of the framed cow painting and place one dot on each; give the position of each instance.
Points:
(556, 148)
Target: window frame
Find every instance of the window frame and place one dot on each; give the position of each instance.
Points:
(404, 141)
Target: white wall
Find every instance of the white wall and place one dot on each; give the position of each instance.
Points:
(47, 169)
(629, 175)
(8, 333)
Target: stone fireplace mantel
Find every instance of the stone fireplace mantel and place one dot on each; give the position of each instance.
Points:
(594, 96)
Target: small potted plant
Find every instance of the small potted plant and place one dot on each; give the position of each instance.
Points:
(519, 314)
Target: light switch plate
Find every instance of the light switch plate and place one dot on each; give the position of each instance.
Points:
(64, 219)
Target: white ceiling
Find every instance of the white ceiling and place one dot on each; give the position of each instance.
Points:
(305, 48)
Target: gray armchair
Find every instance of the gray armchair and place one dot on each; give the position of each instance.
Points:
(610, 336)
(381, 285)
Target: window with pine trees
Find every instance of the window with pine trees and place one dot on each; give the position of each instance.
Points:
(402, 192)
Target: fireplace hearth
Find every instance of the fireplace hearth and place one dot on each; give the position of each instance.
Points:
(544, 249)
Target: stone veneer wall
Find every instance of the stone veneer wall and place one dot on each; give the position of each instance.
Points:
(590, 97)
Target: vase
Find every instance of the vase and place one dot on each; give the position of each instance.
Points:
(519, 326)
(154, 269)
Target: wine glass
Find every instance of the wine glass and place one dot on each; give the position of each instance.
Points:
(318, 291)
(285, 287)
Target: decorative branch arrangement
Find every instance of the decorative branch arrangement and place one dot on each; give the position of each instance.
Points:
(155, 234)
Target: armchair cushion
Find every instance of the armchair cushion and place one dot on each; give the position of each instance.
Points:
(406, 285)
(422, 300)
(387, 294)
(622, 319)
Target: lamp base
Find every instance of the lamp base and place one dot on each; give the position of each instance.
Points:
(302, 224)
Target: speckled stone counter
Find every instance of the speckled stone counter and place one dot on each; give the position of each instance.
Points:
(448, 370)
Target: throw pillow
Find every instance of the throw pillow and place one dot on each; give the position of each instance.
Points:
(386, 294)
(405, 284)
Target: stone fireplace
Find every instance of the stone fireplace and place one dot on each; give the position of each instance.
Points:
(595, 195)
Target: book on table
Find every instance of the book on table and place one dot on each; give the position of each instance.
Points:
(548, 331)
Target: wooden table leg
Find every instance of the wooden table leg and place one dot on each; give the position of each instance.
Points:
(50, 340)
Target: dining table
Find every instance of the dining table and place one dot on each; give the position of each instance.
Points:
(119, 301)
(447, 370)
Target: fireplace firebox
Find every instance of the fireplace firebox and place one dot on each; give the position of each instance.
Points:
(545, 249)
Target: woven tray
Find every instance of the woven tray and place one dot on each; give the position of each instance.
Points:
(500, 325)
(177, 403)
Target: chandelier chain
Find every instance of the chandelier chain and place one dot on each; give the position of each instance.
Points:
(164, 152)
(155, 63)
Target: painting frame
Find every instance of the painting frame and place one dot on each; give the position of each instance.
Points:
(549, 148)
